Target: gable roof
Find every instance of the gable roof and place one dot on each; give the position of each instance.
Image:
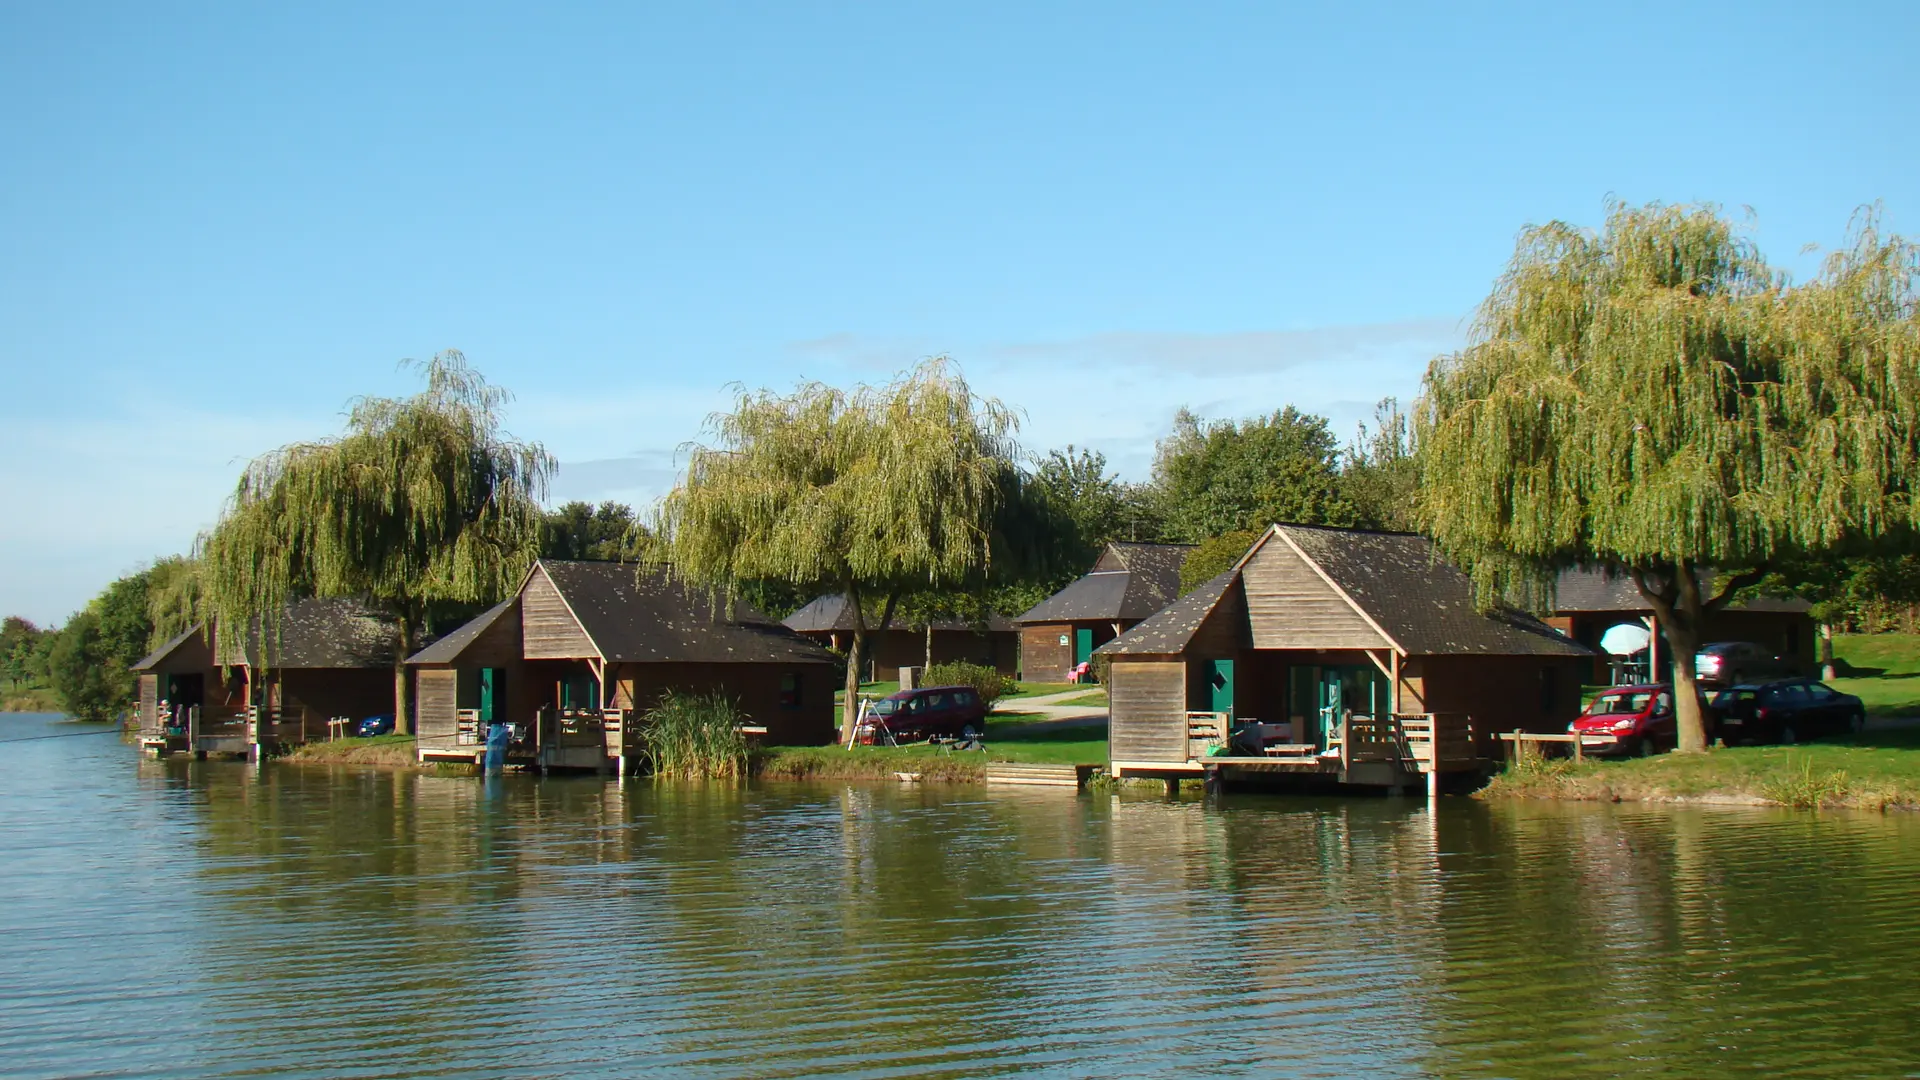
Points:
(1130, 581)
(167, 648)
(1599, 589)
(318, 634)
(1395, 581)
(640, 615)
(449, 647)
(1169, 630)
(828, 613)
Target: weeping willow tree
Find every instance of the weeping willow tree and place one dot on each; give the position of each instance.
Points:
(877, 493)
(1655, 399)
(423, 500)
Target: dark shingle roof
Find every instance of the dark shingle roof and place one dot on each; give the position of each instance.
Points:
(321, 634)
(448, 648)
(640, 615)
(1149, 581)
(827, 613)
(1172, 627)
(1581, 589)
(159, 655)
(1423, 602)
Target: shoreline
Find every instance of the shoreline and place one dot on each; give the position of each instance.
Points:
(1809, 776)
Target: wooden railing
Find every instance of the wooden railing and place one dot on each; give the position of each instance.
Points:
(1205, 732)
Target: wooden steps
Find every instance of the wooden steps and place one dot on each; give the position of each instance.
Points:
(1066, 776)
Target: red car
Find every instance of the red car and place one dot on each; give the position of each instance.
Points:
(1628, 720)
(912, 715)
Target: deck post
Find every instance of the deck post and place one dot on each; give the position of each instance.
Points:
(1173, 787)
(1433, 784)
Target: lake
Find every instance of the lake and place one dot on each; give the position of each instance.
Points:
(173, 918)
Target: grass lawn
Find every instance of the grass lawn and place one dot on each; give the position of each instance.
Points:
(1883, 670)
(1035, 689)
(1078, 745)
(1872, 769)
(1095, 700)
(391, 750)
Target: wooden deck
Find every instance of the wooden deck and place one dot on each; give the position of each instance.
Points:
(1379, 751)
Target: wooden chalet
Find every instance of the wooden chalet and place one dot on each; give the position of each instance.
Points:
(582, 649)
(1358, 656)
(206, 691)
(1128, 583)
(828, 620)
(1589, 602)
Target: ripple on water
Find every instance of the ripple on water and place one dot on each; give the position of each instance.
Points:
(180, 919)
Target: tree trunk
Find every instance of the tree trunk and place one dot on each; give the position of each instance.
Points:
(402, 717)
(1827, 668)
(850, 711)
(1689, 711)
(929, 664)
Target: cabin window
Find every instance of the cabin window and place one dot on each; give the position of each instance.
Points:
(1549, 689)
(790, 690)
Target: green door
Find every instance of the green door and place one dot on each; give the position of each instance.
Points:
(1082, 646)
(491, 680)
(1331, 701)
(1219, 674)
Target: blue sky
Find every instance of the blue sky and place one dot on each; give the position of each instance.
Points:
(221, 222)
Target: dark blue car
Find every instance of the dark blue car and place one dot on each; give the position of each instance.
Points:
(375, 725)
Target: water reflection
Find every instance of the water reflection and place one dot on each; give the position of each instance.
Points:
(179, 918)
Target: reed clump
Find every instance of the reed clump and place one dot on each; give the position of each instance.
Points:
(694, 737)
(1805, 790)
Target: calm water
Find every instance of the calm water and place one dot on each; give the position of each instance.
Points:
(179, 919)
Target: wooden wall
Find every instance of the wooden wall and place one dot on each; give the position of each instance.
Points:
(755, 687)
(1042, 657)
(1147, 720)
(1504, 693)
(149, 689)
(322, 693)
(498, 645)
(890, 650)
(436, 690)
(1290, 606)
(548, 630)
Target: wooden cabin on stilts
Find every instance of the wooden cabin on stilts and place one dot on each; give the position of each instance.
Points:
(318, 671)
(573, 661)
(1341, 654)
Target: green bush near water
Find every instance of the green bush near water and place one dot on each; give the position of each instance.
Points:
(694, 736)
(988, 683)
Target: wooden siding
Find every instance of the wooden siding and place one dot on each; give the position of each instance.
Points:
(1042, 657)
(548, 630)
(1148, 716)
(496, 646)
(436, 689)
(150, 704)
(756, 688)
(1503, 693)
(317, 695)
(1224, 632)
(1289, 605)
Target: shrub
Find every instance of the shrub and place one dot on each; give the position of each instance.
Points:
(1100, 667)
(988, 683)
(694, 736)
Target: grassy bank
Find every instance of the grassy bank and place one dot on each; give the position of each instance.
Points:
(33, 699)
(1875, 770)
(1010, 737)
(383, 751)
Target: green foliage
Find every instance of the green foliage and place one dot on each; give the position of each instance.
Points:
(23, 652)
(1657, 398)
(1804, 790)
(175, 598)
(580, 530)
(1214, 556)
(1379, 474)
(1101, 508)
(1215, 477)
(987, 682)
(88, 661)
(873, 493)
(424, 500)
(694, 736)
